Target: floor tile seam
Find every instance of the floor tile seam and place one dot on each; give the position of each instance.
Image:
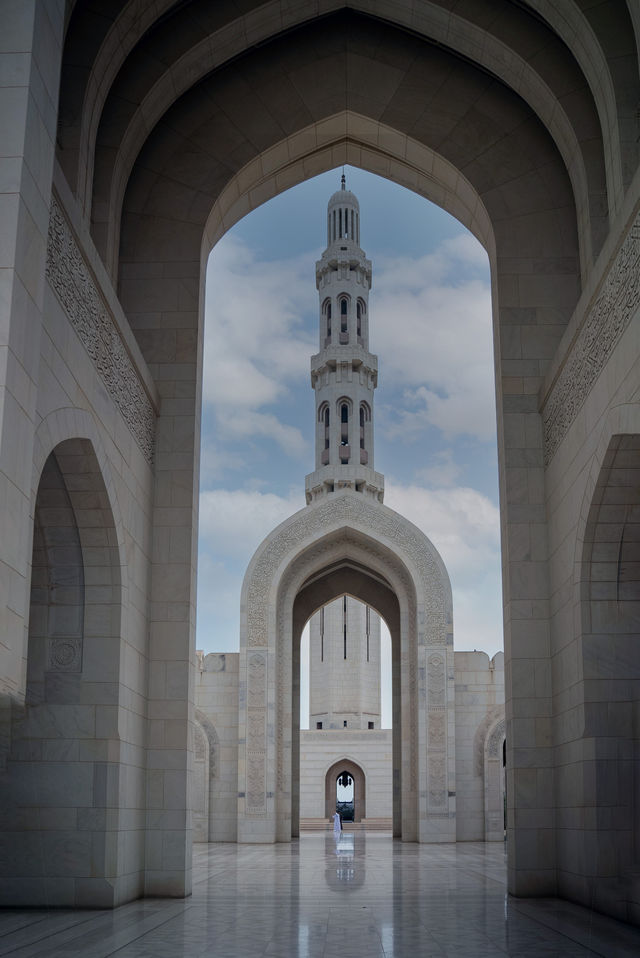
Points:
(87, 917)
(564, 934)
(91, 951)
(25, 924)
(183, 907)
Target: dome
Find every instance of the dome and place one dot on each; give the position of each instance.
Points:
(343, 216)
(343, 197)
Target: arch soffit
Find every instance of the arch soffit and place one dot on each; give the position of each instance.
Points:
(336, 767)
(532, 188)
(211, 736)
(346, 543)
(72, 423)
(574, 29)
(318, 534)
(348, 577)
(462, 36)
(623, 419)
(494, 737)
(494, 718)
(349, 138)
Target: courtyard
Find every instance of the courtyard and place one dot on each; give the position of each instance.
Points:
(363, 896)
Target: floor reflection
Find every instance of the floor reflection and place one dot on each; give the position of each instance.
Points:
(345, 853)
(360, 896)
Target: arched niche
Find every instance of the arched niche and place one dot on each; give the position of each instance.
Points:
(494, 782)
(359, 788)
(66, 743)
(603, 778)
(345, 543)
(200, 784)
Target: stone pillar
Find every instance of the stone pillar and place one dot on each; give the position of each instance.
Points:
(527, 341)
(30, 56)
(161, 300)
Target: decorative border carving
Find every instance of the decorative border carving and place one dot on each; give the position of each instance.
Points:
(256, 734)
(605, 323)
(495, 740)
(72, 282)
(353, 510)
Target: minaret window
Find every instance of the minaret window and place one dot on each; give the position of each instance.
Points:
(327, 313)
(345, 450)
(368, 628)
(326, 428)
(344, 327)
(344, 625)
(344, 424)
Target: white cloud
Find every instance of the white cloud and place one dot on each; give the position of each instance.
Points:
(255, 346)
(431, 325)
(464, 526)
(241, 424)
(462, 523)
(235, 521)
(443, 472)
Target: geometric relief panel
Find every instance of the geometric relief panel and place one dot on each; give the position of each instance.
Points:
(436, 684)
(437, 780)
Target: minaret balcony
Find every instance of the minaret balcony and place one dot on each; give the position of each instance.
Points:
(331, 355)
(329, 479)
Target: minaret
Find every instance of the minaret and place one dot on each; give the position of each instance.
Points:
(344, 643)
(344, 373)
(344, 666)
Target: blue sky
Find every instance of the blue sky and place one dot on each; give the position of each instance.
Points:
(430, 325)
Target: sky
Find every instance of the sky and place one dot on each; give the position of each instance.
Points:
(434, 414)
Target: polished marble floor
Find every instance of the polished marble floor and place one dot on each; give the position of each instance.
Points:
(364, 896)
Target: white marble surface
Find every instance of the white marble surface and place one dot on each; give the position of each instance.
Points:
(365, 896)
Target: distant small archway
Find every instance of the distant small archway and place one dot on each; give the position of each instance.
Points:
(359, 788)
(494, 782)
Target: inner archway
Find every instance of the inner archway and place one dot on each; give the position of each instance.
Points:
(346, 543)
(345, 768)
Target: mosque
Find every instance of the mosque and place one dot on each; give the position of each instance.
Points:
(133, 135)
(347, 759)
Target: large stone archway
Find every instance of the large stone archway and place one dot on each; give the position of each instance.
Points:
(138, 136)
(347, 544)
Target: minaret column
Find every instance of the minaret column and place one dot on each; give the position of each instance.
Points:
(344, 374)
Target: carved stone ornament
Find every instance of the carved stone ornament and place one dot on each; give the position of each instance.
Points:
(437, 781)
(495, 740)
(351, 509)
(606, 321)
(437, 735)
(436, 685)
(65, 655)
(72, 281)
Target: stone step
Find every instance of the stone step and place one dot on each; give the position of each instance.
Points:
(367, 824)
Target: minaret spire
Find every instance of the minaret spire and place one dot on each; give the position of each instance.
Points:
(344, 373)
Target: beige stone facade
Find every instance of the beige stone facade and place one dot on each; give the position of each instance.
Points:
(129, 143)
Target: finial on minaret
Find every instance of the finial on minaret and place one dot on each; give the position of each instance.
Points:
(343, 181)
